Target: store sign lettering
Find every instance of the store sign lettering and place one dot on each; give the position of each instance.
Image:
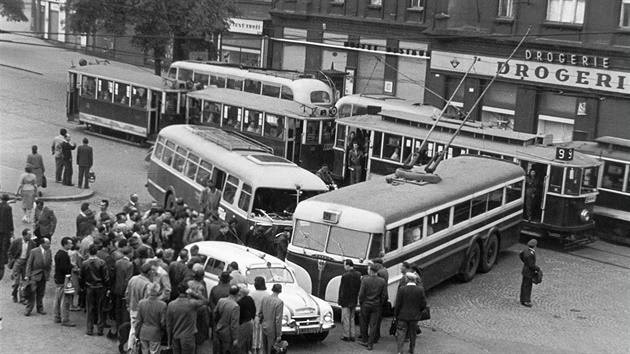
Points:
(240, 25)
(569, 59)
(580, 77)
(386, 50)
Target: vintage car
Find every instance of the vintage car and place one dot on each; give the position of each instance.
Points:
(303, 313)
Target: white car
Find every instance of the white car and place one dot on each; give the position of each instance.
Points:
(303, 313)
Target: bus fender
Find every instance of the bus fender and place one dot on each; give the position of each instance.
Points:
(301, 276)
(332, 289)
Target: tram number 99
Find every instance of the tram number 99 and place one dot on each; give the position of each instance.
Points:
(564, 154)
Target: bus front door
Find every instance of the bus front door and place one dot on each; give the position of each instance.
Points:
(72, 98)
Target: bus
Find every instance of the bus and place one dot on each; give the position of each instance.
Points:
(258, 188)
(455, 221)
(612, 208)
(294, 131)
(285, 85)
(123, 102)
(566, 180)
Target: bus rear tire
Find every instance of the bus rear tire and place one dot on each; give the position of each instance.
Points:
(471, 263)
(489, 254)
(317, 337)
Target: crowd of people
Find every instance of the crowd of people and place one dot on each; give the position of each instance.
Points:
(130, 272)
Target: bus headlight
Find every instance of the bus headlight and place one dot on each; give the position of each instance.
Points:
(585, 216)
(328, 317)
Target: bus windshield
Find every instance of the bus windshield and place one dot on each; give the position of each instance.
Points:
(334, 240)
(279, 201)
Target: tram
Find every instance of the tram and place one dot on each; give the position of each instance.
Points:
(564, 188)
(123, 102)
(612, 208)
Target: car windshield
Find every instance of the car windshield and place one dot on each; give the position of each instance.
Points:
(278, 203)
(271, 275)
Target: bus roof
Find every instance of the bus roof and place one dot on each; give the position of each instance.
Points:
(461, 176)
(132, 76)
(257, 167)
(254, 101)
(492, 140)
(386, 103)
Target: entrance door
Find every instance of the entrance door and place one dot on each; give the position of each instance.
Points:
(72, 98)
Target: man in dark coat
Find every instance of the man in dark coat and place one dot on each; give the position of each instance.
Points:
(348, 297)
(45, 222)
(66, 156)
(18, 253)
(372, 295)
(123, 271)
(181, 320)
(6, 231)
(410, 302)
(38, 267)
(63, 269)
(530, 269)
(226, 315)
(85, 162)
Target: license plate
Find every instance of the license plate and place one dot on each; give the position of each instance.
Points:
(309, 330)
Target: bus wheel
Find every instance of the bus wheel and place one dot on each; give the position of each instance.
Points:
(489, 254)
(471, 263)
(317, 337)
(170, 201)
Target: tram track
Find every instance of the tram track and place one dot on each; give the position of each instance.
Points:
(612, 258)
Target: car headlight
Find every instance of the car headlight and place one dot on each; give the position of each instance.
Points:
(328, 317)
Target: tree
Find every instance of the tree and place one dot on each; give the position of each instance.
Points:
(13, 10)
(185, 24)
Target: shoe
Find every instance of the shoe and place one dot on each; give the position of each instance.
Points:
(70, 185)
(99, 333)
(27, 313)
(345, 339)
(526, 304)
(15, 299)
(57, 320)
(370, 347)
(42, 312)
(89, 333)
(68, 324)
(363, 343)
(352, 339)
(75, 308)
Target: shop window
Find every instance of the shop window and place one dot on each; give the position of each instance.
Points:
(416, 4)
(566, 11)
(376, 2)
(624, 18)
(506, 8)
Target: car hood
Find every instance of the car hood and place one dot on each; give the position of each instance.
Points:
(299, 301)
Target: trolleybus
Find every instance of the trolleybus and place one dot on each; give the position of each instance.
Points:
(286, 85)
(257, 187)
(302, 134)
(128, 103)
(454, 221)
(359, 104)
(565, 186)
(612, 208)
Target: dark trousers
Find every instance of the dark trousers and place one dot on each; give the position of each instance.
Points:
(95, 301)
(67, 172)
(83, 174)
(404, 330)
(18, 274)
(58, 168)
(120, 310)
(36, 295)
(526, 289)
(184, 345)
(369, 321)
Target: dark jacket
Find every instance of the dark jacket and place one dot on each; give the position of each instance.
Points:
(46, 221)
(6, 218)
(15, 250)
(248, 309)
(410, 302)
(349, 288)
(94, 272)
(181, 317)
(530, 268)
(66, 150)
(39, 264)
(63, 266)
(373, 291)
(123, 271)
(84, 156)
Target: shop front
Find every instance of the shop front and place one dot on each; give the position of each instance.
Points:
(245, 44)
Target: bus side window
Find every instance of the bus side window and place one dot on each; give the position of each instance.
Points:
(513, 192)
(495, 199)
(204, 173)
(438, 221)
(391, 240)
(245, 198)
(271, 91)
(229, 192)
(253, 86)
(159, 148)
(218, 81)
(413, 232)
(286, 93)
(461, 212)
(376, 248)
(479, 205)
(191, 166)
(167, 155)
(180, 159)
(235, 84)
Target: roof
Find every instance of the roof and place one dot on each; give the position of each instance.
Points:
(278, 173)
(461, 176)
(599, 149)
(244, 256)
(129, 75)
(390, 103)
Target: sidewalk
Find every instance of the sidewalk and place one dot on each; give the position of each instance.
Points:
(55, 192)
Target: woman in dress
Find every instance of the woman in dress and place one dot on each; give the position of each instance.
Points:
(257, 295)
(37, 165)
(27, 188)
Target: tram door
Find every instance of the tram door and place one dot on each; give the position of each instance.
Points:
(541, 183)
(154, 114)
(292, 149)
(72, 99)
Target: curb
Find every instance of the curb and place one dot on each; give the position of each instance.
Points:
(62, 198)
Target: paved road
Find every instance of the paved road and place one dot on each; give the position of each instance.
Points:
(582, 305)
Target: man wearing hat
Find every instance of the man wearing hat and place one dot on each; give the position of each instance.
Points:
(410, 302)
(270, 313)
(6, 231)
(530, 269)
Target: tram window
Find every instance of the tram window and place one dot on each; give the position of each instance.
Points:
(204, 174)
(230, 189)
(291, 128)
(88, 87)
(185, 75)
(479, 205)
(271, 91)
(345, 110)
(573, 181)
(513, 192)
(341, 137)
(407, 148)
(329, 132)
(589, 181)
(172, 73)
(171, 103)
(138, 97)
(201, 79)
(461, 212)
(121, 93)
(169, 150)
(274, 126)
(495, 199)
(376, 248)
(320, 97)
(312, 132)
(555, 179)
(391, 143)
(253, 121)
(245, 198)
(438, 221)
(191, 166)
(391, 240)
(377, 146)
(211, 113)
(413, 232)
(286, 93)
(235, 83)
(180, 159)
(310, 235)
(613, 175)
(194, 112)
(218, 81)
(253, 86)
(473, 152)
(231, 117)
(105, 90)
